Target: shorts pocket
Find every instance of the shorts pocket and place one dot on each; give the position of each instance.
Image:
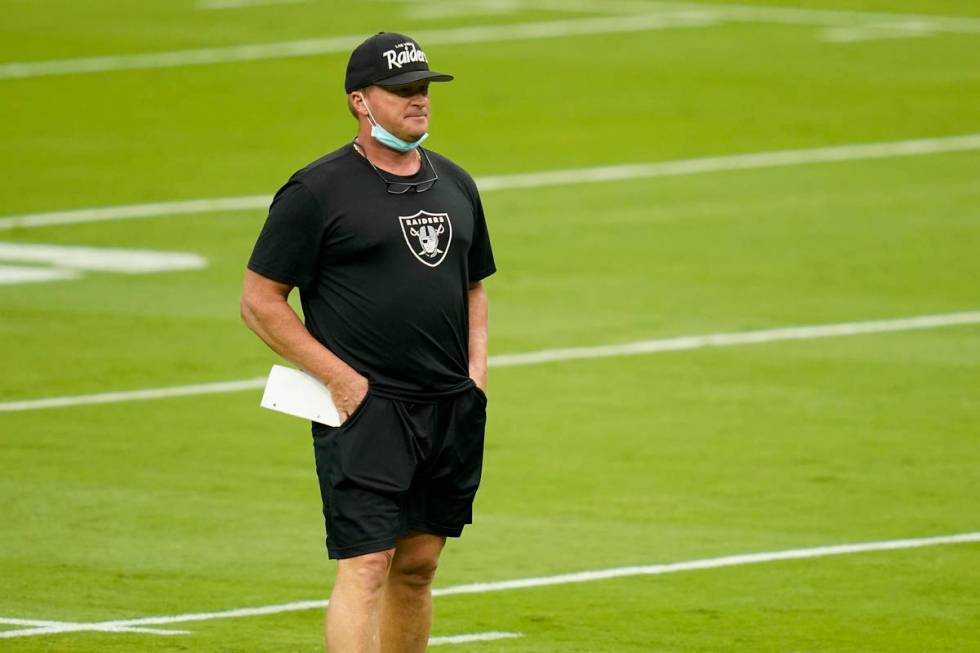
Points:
(321, 431)
(357, 411)
(481, 394)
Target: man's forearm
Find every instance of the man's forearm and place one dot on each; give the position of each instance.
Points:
(277, 324)
(478, 336)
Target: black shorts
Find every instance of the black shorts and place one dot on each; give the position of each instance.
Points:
(397, 466)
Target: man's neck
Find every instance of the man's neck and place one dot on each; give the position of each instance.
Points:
(387, 159)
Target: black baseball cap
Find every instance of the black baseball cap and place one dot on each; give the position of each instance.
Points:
(389, 59)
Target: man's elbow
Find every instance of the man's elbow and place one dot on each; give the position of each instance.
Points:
(248, 309)
(245, 312)
(258, 294)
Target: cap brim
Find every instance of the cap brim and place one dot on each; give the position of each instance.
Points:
(415, 76)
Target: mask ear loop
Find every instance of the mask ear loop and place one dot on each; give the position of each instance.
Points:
(376, 126)
(368, 107)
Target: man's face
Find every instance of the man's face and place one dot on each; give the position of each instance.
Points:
(402, 110)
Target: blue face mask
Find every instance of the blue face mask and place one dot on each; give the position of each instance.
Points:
(388, 139)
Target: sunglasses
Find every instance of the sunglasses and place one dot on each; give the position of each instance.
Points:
(401, 187)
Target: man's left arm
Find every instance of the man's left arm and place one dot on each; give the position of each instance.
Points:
(479, 311)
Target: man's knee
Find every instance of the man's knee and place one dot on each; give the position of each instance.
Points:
(416, 572)
(366, 572)
(416, 560)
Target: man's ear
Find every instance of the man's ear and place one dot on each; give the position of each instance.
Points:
(357, 101)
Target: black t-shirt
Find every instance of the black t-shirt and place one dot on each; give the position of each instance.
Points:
(383, 278)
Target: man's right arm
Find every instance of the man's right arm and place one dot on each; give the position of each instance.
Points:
(266, 311)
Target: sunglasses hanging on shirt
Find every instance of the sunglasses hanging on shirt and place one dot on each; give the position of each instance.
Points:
(402, 187)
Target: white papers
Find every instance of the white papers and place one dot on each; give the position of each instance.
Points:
(295, 392)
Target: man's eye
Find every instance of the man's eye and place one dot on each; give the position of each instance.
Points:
(409, 91)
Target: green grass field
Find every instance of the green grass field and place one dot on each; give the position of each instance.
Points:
(198, 504)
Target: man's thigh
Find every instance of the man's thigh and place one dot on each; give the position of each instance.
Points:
(397, 467)
(440, 500)
(364, 467)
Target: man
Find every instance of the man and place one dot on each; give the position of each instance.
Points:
(388, 245)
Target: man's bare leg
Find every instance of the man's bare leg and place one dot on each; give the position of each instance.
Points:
(406, 609)
(353, 616)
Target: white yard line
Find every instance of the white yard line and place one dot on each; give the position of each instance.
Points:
(770, 14)
(131, 211)
(600, 174)
(805, 16)
(540, 581)
(708, 563)
(344, 44)
(641, 347)
(102, 259)
(733, 12)
(774, 159)
(135, 395)
(878, 32)
(10, 621)
(442, 10)
(445, 9)
(53, 626)
(475, 637)
(68, 261)
(245, 4)
(738, 338)
(887, 22)
(39, 623)
(673, 15)
(17, 274)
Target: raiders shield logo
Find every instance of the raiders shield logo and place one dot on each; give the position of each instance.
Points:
(428, 235)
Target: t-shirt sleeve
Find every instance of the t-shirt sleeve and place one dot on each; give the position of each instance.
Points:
(288, 246)
(481, 264)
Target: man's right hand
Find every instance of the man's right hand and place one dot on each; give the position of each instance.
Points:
(348, 392)
(266, 311)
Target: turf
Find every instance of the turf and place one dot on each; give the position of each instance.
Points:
(207, 503)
